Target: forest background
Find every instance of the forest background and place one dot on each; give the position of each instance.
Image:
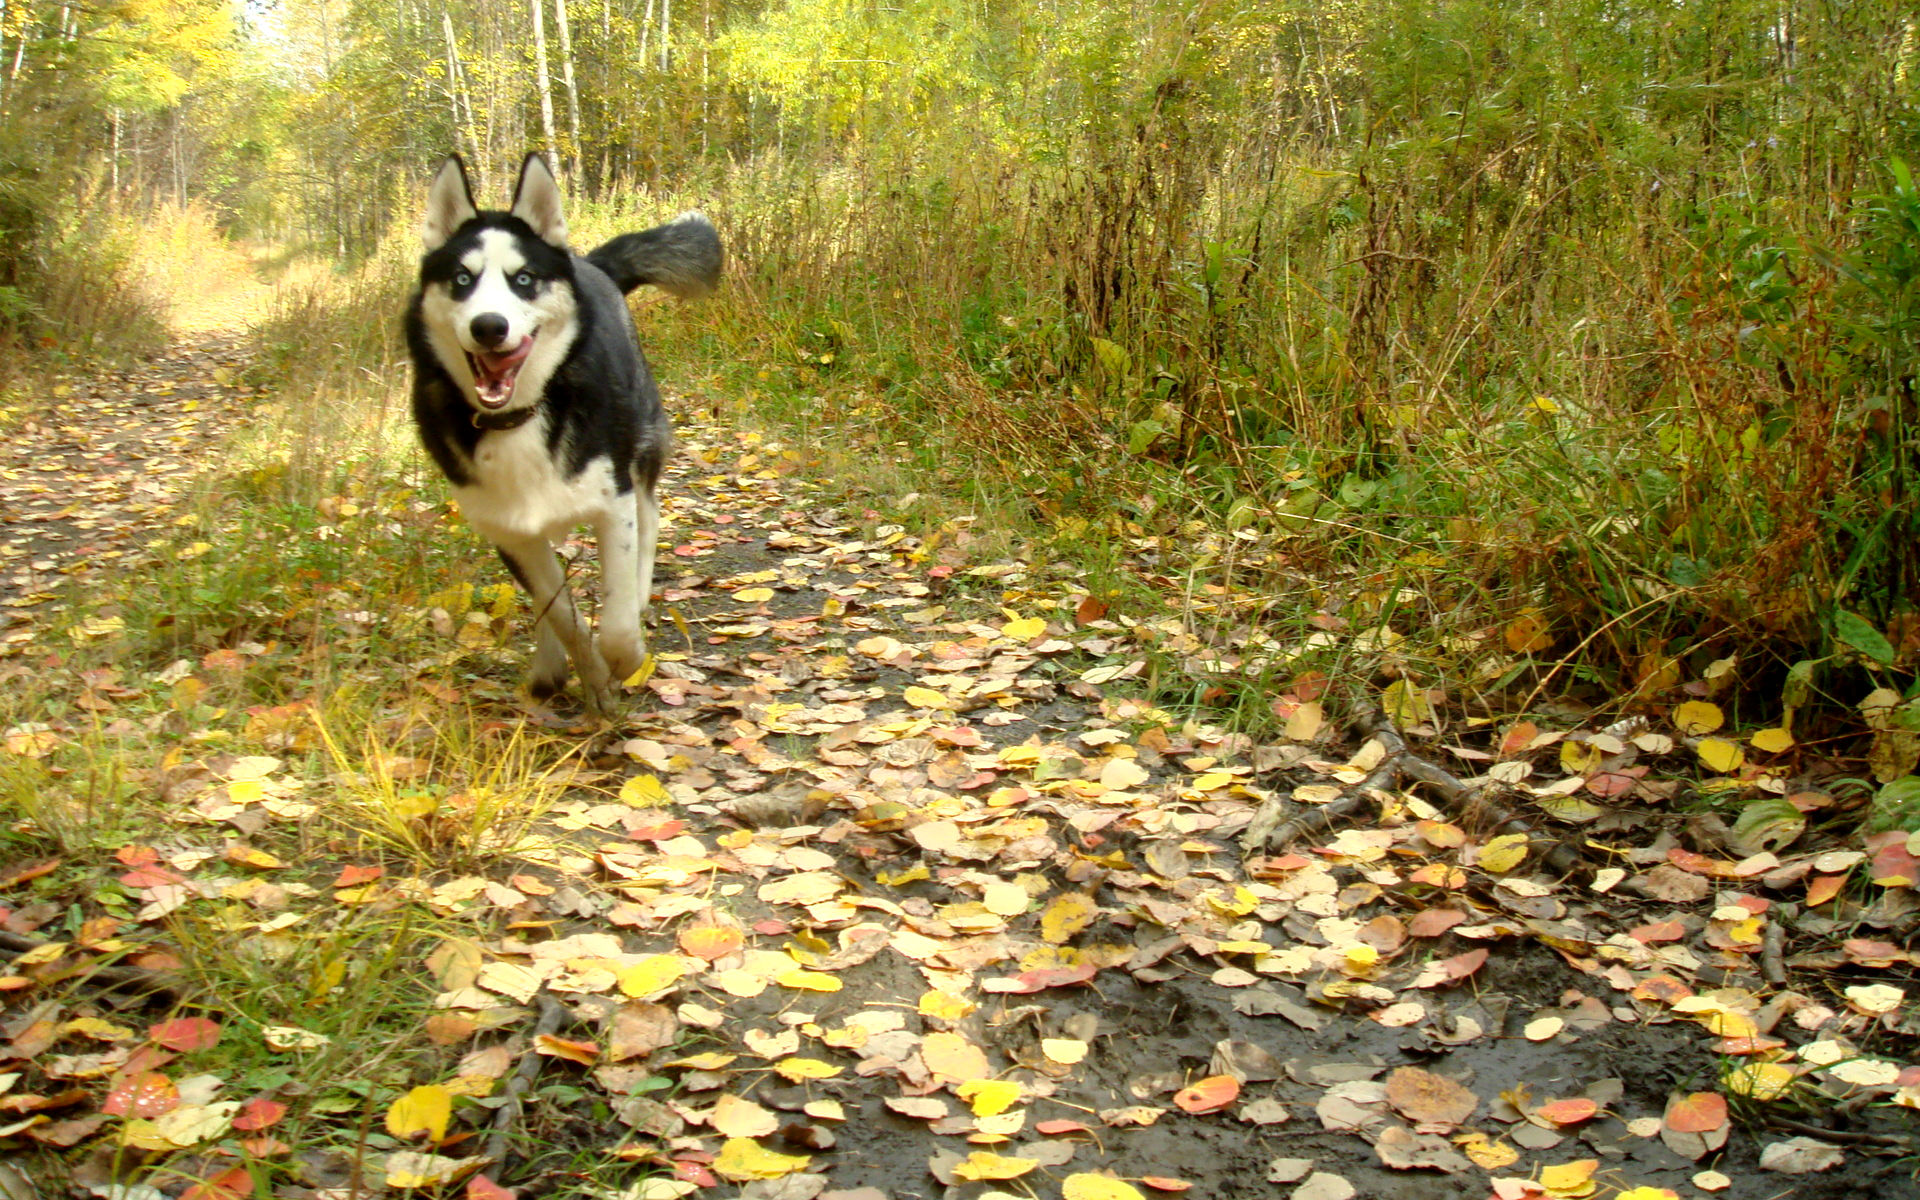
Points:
(1569, 347)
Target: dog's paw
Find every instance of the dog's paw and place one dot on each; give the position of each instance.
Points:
(597, 686)
(624, 654)
(545, 685)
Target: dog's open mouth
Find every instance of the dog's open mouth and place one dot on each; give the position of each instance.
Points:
(493, 374)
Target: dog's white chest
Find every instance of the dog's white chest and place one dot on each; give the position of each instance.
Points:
(519, 490)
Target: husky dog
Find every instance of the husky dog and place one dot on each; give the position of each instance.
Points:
(532, 396)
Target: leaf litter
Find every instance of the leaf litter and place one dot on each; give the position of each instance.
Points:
(887, 886)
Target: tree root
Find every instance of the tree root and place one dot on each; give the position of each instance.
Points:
(552, 1015)
(1272, 830)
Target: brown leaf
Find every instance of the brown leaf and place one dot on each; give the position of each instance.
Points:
(1429, 1099)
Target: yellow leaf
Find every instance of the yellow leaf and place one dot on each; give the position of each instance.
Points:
(990, 1096)
(641, 673)
(1406, 703)
(1066, 1051)
(983, 1164)
(1068, 914)
(1719, 754)
(796, 1070)
(644, 791)
(1578, 758)
(754, 595)
(1024, 630)
(1528, 633)
(1238, 904)
(412, 1169)
(736, 1117)
(246, 791)
(1005, 899)
(945, 1006)
(1572, 1179)
(1088, 1186)
(921, 697)
(1771, 741)
(653, 974)
(1760, 1080)
(1488, 1154)
(807, 981)
(1697, 717)
(742, 1159)
(952, 1058)
(423, 1110)
(1504, 853)
(1119, 774)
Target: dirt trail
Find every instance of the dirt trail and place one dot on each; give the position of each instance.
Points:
(922, 863)
(103, 464)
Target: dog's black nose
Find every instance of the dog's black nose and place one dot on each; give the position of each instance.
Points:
(489, 329)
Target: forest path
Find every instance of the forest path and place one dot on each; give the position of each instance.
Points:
(941, 911)
(105, 462)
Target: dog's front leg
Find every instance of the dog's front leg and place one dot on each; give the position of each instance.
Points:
(560, 629)
(620, 571)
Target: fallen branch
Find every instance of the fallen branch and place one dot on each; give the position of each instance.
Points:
(138, 980)
(552, 1015)
(1467, 799)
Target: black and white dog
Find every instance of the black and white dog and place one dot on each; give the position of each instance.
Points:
(532, 395)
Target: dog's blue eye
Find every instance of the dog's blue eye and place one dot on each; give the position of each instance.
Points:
(462, 279)
(523, 279)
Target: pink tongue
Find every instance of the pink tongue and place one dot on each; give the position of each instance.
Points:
(497, 371)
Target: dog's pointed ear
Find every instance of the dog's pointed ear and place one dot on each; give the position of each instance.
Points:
(536, 200)
(449, 203)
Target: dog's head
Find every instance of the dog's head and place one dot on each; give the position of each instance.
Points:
(492, 283)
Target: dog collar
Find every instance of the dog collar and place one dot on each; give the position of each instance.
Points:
(501, 422)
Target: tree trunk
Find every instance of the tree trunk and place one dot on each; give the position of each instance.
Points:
(573, 93)
(541, 78)
(666, 29)
(456, 80)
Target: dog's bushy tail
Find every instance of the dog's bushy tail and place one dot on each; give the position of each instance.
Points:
(682, 257)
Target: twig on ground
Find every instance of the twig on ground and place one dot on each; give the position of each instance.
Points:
(552, 1014)
(1773, 946)
(133, 979)
(1841, 1137)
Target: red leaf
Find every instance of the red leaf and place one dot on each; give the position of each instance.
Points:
(1700, 864)
(32, 870)
(1211, 1094)
(1701, 1112)
(642, 829)
(259, 1113)
(185, 1034)
(1040, 979)
(151, 877)
(482, 1188)
(1658, 931)
(1160, 1183)
(136, 856)
(1870, 953)
(1567, 1112)
(353, 876)
(1056, 1128)
(1823, 888)
(584, 1053)
(1435, 921)
(230, 1184)
(148, 1095)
